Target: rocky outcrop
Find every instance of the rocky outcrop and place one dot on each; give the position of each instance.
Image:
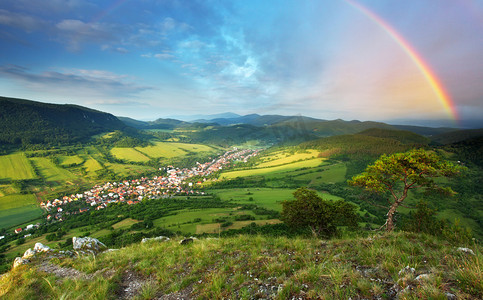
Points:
(466, 250)
(87, 245)
(20, 261)
(29, 253)
(157, 239)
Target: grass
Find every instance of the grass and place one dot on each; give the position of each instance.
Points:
(248, 267)
(279, 170)
(13, 216)
(14, 201)
(15, 167)
(127, 170)
(129, 154)
(50, 172)
(92, 165)
(126, 223)
(70, 160)
(170, 150)
(282, 157)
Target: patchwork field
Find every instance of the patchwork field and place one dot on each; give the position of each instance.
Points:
(283, 157)
(14, 216)
(92, 165)
(128, 170)
(129, 154)
(311, 163)
(15, 167)
(50, 172)
(170, 150)
(70, 160)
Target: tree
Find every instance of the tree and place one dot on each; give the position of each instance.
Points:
(308, 210)
(401, 172)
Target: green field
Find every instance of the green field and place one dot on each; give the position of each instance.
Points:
(70, 160)
(329, 174)
(282, 157)
(15, 167)
(311, 163)
(50, 172)
(129, 154)
(18, 215)
(126, 223)
(264, 197)
(92, 165)
(170, 150)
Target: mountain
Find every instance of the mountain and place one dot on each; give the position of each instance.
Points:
(457, 136)
(134, 123)
(30, 122)
(194, 118)
(403, 136)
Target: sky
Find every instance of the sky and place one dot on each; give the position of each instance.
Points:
(410, 62)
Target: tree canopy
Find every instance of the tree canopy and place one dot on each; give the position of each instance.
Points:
(308, 210)
(400, 172)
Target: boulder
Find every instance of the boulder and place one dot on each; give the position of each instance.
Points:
(406, 270)
(466, 250)
(20, 261)
(29, 253)
(158, 239)
(423, 277)
(186, 241)
(88, 245)
(39, 247)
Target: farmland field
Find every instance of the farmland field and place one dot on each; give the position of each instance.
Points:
(311, 163)
(282, 157)
(69, 160)
(18, 215)
(329, 174)
(92, 165)
(128, 170)
(15, 167)
(129, 154)
(170, 150)
(51, 172)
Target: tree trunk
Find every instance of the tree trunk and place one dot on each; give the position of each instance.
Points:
(392, 211)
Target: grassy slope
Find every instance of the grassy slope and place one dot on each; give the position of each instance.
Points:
(15, 166)
(247, 267)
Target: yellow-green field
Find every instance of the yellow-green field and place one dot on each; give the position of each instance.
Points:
(310, 163)
(282, 157)
(128, 170)
(69, 160)
(126, 223)
(129, 154)
(50, 172)
(15, 167)
(169, 150)
(92, 165)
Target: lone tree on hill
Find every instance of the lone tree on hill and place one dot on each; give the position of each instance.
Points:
(308, 210)
(400, 172)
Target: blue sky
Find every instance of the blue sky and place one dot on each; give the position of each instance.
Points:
(325, 59)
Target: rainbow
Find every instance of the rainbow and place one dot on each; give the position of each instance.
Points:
(425, 69)
(108, 10)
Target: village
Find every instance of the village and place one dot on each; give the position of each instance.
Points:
(175, 181)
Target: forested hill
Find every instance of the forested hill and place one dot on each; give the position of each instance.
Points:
(24, 122)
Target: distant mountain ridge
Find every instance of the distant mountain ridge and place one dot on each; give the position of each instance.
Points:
(30, 122)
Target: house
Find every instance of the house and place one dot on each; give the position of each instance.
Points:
(18, 230)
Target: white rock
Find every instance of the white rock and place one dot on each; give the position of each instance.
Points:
(28, 254)
(39, 247)
(406, 270)
(88, 245)
(19, 261)
(158, 239)
(423, 277)
(466, 250)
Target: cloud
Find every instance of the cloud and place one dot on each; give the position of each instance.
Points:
(94, 82)
(21, 21)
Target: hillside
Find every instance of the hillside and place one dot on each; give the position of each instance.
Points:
(382, 266)
(29, 122)
(403, 136)
(457, 136)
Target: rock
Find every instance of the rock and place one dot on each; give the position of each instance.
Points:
(39, 247)
(186, 241)
(406, 270)
(28, 254)
(466, 250)
(450, 296)
(158, 239)
(20, 261)
(88, 245)
(423, 277)
(405, 291)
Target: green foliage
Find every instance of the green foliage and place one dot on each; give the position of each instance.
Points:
(424, 220)
(400, 172)
(321, 216)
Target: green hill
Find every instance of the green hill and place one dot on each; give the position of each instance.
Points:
(382, 266)
(403, 136)
(457, 136)
(24, 122)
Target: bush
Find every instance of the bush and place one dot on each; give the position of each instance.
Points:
(308, 210)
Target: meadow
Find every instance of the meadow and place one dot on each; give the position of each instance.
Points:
(170, 150)
(129, 154)
(15, 167)
(284, 157)
(50, 172)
